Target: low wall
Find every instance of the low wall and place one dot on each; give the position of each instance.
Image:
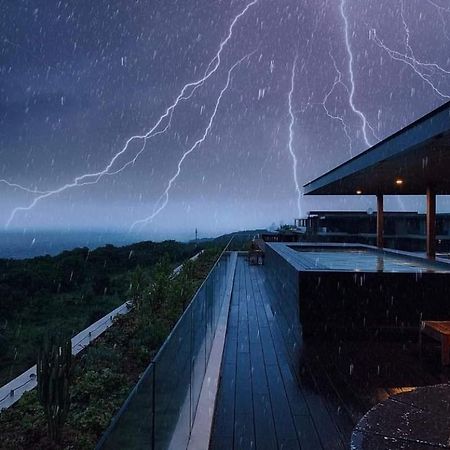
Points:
(283, 279)
(355, 303)
(371, 303)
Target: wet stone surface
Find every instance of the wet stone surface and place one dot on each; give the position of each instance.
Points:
(419, 419)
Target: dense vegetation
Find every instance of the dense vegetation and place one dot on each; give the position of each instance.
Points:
(67, 293)
(106, 371)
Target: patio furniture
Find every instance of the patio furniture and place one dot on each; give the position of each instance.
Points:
(440, 331)
(256, 252)
(256, 257)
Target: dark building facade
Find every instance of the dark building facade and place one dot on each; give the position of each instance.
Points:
(403, 230)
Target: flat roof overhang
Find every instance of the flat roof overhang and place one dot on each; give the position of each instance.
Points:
(419, 155)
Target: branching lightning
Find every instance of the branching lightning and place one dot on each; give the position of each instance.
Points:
(291, 138)
(365, 122)
(406, 28)
(426, 71)
(338, 81)
(430, 73)
(186, 93)
(164, 199)
(411, 62)
(441, 10)
(23, 188)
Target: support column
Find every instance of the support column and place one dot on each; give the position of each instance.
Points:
(431, 223)
(380, 221)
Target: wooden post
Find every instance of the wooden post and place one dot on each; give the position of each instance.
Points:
(431, 223)
(380, 221)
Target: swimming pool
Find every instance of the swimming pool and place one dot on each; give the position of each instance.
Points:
(356, 290)
(362, 260)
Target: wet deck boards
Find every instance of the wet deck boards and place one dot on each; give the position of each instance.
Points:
(261, 401)
(270, 398)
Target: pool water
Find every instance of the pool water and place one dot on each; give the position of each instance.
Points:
(364, 260)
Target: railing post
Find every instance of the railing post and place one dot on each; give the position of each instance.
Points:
(431, 223)
(380, 221)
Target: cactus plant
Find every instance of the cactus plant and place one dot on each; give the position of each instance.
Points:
(138, 287)
(54, 371)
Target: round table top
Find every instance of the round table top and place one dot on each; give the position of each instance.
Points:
(415, 420)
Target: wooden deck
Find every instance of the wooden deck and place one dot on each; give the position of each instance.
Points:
(271, 399)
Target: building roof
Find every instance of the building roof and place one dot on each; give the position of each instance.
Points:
(359, 214)
(418, 155)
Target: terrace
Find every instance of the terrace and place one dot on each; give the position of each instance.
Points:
(292, 354)
(269, 396)
(276, 389)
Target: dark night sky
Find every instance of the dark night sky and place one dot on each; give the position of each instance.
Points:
(78, 78)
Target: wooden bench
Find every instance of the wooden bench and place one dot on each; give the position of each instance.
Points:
(440, 331)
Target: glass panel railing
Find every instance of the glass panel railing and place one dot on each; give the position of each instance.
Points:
(198, 361)
(160, 410)
(133, 425)
(172, 380)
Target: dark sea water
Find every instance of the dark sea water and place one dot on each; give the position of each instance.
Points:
(28, 244)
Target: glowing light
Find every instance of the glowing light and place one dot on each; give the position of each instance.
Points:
(398, 181)
(164, 199)
(359, 192)
(186, 93)
(291, 138)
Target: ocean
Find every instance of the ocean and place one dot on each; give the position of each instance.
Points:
(28, 244)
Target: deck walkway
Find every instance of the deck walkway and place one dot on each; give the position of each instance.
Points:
(263, 401)
(311, 396)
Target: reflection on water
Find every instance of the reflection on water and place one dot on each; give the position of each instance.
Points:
(364, 260)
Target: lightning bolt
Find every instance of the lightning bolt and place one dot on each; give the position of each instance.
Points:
(338, 81)
(441, 10)
(323, 104)
(424, 70)
(291, 138)
(186, 93)
(164, 198)
(406, 28)
(23, 188)
(417, 66)
(365, 123)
